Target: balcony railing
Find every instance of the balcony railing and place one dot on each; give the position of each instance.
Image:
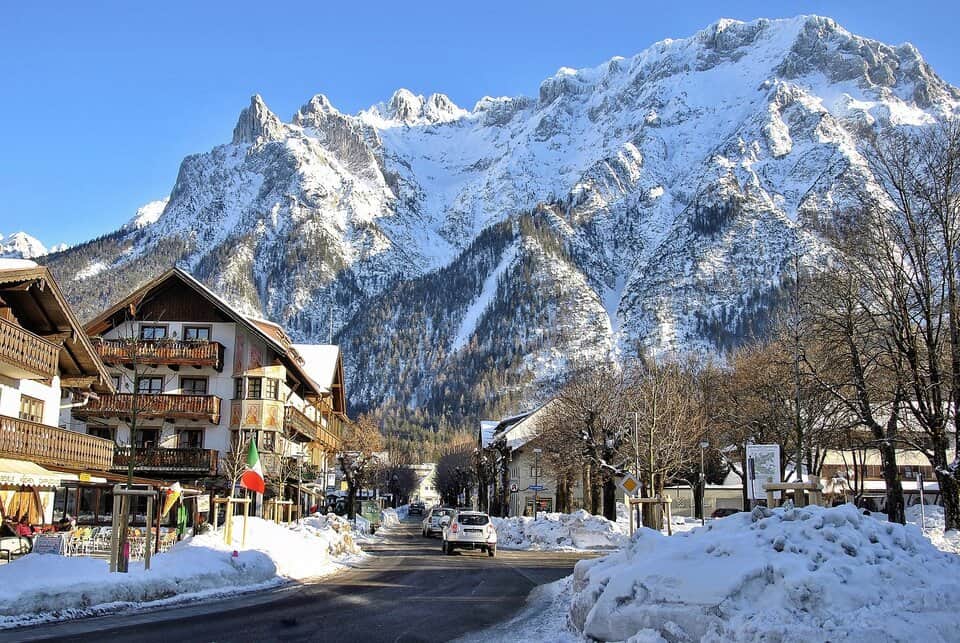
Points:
(296, 421)
(53, 446)
(191, 407)
(182, 460)
(28, 356)
(162, 352)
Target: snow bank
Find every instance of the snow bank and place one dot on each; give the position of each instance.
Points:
(557, 532)
(390, 517)
(787, 574)
(43, 587)
(933, 527)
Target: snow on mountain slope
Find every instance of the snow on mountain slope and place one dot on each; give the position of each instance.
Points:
(662, 195)
(21, 245)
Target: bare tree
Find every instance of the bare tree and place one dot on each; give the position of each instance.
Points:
(455, 474)
(908, 224)
(357, 459)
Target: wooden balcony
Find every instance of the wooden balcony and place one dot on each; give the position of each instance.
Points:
(157, 460)
(165, 352)
(296, 422)
(188, 407)
(24, 355)
(50, 445)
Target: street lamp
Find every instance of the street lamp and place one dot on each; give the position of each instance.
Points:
(536, 482)
(703, 482)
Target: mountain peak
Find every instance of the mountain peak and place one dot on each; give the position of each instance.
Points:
(21, 245)
(257, 123)
(413, 109)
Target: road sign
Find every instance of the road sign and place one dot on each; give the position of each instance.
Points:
(514, 488)
(536, 487)
(629, 484)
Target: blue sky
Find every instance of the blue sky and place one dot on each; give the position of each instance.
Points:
(100, 101)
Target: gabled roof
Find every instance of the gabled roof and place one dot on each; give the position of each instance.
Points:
(269, 332)
(324, 364)
(516, 433)
(39, 305)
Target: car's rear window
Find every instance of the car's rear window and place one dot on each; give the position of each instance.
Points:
(473, 520)
(445, 512)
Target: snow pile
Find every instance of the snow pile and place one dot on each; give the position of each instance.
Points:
(933, 527)
(787, 574)
(391, 517)
(557, 531)
(44, 587)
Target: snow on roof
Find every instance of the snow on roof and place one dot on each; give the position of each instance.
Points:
(319, 362)
(487, 429)
(17, 264)
(526, 429)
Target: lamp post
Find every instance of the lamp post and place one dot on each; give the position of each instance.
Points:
(536, 482)
(703, 482)
(299, 456)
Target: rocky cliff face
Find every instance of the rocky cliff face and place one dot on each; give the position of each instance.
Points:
(463, 257)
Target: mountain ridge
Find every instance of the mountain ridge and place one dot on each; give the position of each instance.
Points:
(655, 198)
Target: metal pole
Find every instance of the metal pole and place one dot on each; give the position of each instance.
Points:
(536, 483)
(923, 521)
(703, 486)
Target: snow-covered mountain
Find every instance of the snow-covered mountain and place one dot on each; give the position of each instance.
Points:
(21, 245)
(462, 257)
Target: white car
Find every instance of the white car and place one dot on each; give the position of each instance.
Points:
(469, 530)
(432, 524)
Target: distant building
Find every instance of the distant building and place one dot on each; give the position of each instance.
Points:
(426, 490)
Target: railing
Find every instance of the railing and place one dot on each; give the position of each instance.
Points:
(182, 459)
(26, 351)
(295, 420)
(54, 446)
(194, 407)
(164, 351)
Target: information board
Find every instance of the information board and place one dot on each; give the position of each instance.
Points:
(763, 466)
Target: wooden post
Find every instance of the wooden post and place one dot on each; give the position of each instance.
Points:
(228, 522)
(667, 502)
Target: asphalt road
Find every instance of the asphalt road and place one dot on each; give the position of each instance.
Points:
(406, 591)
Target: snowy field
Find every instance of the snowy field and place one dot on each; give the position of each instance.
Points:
(44, 587)
(809, 574)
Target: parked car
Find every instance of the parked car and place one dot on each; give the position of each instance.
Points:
(416, 508)
(432, 525)
(723, 512)
(469, 530)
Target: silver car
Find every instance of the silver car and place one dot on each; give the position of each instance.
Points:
(432, 524)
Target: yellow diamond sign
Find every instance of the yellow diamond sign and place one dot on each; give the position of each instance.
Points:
(629, 484)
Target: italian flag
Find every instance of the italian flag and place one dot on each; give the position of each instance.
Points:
(252, 478)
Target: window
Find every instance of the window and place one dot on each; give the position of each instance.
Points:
(104, 432)
(193, 385)
(238, 388)
(190, 439)
(254, 385)
(31, 409)
(116, 382)
(146, 438)
(271, 389)
(196, 333)
(153, 332)
(536, 472)
(268, 441)
(150, 385)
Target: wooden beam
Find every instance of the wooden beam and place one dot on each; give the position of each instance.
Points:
(83, 382)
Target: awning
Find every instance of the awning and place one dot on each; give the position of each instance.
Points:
(23, 473)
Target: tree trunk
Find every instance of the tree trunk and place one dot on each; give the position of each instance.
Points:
(587, 488)
(596, 492)
(891, 480)
(351, 501)
(504, 487)
(609, 499)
